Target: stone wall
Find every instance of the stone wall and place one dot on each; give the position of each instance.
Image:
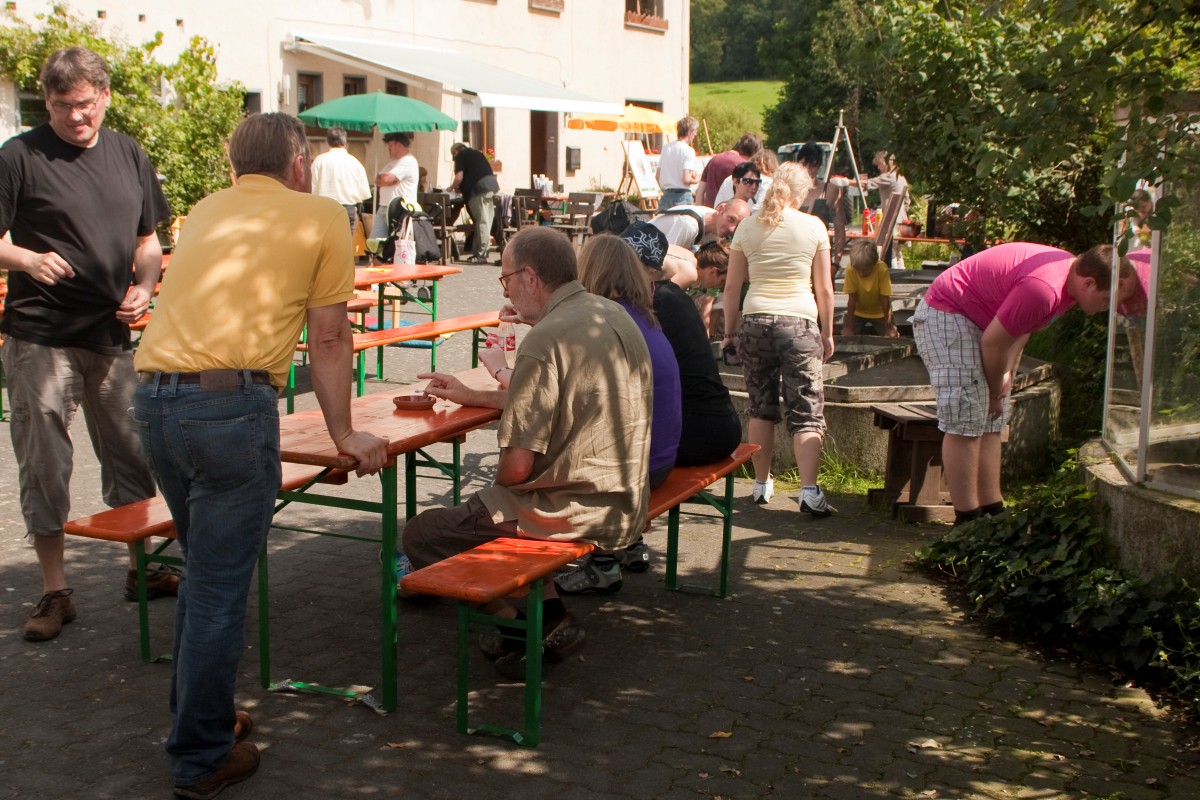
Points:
(1155, 534)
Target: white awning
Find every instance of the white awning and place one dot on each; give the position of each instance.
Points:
(495, 87)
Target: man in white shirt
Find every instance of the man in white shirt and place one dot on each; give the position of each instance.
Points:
(678, 168)
(691, 226)
(398, 179)
(339, 175)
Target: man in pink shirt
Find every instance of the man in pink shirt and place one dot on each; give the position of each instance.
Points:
(971, 328)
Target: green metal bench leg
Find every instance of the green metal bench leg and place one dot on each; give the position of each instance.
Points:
(433, 345)
(290, 391)
(532, 734)
(673, 549)
(475, 334)
(724, 505)
(726, 509)
(379, 325)
(360, 373)
(143, 604)
(387, 586)
(143, 561)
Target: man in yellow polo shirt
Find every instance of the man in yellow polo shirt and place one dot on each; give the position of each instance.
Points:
(259, 261)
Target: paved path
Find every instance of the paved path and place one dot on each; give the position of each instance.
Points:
(834, 671)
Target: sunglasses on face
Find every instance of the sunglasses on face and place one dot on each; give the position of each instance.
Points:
(750, 181)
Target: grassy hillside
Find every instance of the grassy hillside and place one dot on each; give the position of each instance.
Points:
(754, 96)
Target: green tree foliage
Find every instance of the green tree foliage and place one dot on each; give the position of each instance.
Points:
(1007, 107)
(726, 124)
(823, 50)
(179, 112)
(726, 38)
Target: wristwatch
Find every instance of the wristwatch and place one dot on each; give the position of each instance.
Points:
(496, 374)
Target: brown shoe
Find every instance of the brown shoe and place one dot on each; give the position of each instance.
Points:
(242, 763)
(160, 582)
(242, 726)
(54, 610)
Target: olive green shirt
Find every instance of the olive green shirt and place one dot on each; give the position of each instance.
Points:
(580, 399)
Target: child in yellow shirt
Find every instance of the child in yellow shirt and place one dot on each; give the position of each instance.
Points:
(869, 290)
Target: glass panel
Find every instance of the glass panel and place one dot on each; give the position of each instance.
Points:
(1172, 458)
(1127, 342)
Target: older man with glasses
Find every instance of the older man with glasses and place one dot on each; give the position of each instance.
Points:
(81, 204)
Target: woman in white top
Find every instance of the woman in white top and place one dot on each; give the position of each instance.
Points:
(783, 329)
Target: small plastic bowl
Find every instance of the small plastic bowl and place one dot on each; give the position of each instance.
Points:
(414, 402)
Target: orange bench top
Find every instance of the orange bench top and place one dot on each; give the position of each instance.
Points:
(422, 330)
(151, 517)
(494, 569)
(684, 482)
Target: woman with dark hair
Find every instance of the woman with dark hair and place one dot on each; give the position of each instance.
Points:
(786, 334)
(744, 183)
(609, 267)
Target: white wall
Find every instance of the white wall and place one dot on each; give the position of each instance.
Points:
(586, 48)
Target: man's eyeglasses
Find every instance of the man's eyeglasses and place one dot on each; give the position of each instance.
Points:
(750, 181)
(504, 279)
(83, 107)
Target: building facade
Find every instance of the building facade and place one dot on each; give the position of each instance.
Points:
(510, 71)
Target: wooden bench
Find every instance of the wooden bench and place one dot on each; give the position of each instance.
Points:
(135, 523)
(690, 484)
(422, 331)
(914, 482)
(502, 566)
(485, 573)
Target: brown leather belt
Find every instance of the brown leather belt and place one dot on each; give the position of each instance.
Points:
(209, 380)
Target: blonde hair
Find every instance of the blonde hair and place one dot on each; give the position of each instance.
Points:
(610, 267)
(790, 186)
(767, 162)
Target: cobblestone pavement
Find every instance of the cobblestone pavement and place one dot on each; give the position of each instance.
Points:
(833, 671)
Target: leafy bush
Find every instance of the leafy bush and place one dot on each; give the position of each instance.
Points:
(178, 112)
(726, 123)
(1044, 572)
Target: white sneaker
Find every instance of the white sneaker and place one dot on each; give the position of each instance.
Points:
(812, 500)
(763, 491)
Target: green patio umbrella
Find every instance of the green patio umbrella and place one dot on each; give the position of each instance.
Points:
(388, 112)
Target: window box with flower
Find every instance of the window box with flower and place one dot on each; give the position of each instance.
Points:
(496, 164)
(651, 22)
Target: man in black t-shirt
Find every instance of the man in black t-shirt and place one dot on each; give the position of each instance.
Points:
(474, 179)
(81, 204)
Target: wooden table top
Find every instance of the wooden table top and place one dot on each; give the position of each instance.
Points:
(366, 277)
(927, 239)
(304, 438)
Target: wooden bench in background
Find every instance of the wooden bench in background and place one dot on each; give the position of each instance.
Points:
(914, 482)
(502, 566)
(422, 331)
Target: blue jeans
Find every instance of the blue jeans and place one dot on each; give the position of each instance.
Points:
(674, 197)
(215, 455)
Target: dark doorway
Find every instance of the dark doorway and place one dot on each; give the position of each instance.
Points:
(543, 145)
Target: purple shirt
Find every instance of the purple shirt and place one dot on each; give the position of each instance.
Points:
(1022, 285)
(666, 422)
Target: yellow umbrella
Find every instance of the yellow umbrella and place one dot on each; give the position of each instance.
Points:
(635, 119)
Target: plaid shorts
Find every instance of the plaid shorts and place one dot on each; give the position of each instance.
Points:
(949, 346)
(787, 349)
